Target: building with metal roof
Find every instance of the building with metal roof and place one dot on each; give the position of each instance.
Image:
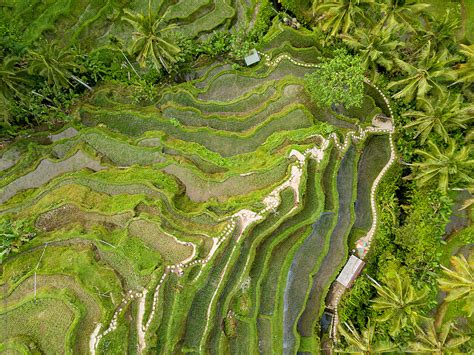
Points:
(252, 58)
(350, 271)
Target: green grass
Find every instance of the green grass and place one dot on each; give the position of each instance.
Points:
(89, 308)
(46, 323)
(165, 244)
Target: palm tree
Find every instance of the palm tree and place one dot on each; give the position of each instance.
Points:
(465, 71)
(423, 77)
(442, 33)
(55, 64)
(433, 341)
(376, 47)
(12, 79)
(339, 16)
(12, 82)
(398, 302)
(449, 166)
(365, 342)
(459, 283)
(151, 40)
(440, 116)
(403, 13)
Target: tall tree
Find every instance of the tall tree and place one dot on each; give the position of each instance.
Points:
(376, 47)
(151, 39)
(365, 342)
(339, 16)
(431, 68)
(440, 115)
(12, 80)
(404, 13)
(459, 281)
(433, 341)
(55, 64)
(398, 302)
(449, 166)
(339, 80)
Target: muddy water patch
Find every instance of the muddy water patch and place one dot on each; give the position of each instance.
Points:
(48, 170)
(69, 214)
(67, 133)
(375, 155)
(9, 158)
(200, 190)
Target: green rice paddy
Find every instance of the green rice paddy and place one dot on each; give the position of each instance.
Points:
(135, 214)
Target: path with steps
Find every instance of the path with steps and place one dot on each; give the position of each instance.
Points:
(248, 217)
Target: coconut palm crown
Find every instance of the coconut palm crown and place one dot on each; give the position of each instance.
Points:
(151, 39)
(459, 281)
(364, 342)
(445, 113)
(425, 75)
(54, 63)
(398, 303)
(430, 340)
(450, 166)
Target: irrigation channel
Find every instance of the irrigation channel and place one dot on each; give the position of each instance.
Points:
(240, 222)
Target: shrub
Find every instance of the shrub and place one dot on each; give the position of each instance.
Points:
(339, 80)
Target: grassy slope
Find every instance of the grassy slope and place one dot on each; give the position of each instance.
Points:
(92, 218)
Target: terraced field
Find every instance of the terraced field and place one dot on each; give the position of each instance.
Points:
(213, 220)
(92, 23)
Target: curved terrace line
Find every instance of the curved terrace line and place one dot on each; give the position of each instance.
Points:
(248, 217)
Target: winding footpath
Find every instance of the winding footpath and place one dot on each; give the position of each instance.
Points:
(244, 218)
(389, 129)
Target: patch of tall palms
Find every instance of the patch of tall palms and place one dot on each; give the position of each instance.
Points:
(338, 17)
(440, 115)
(377, 47)
(364, 342)
(47, 66)
(56, 65)
(425, 75)
(448, 166)
(398, 305)
(430, 339)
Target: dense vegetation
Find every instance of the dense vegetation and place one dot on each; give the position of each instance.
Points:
(134, 137)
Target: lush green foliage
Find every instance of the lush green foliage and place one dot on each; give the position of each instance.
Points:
(172, 158)
(398, 303)
(151, 39)
(337, 81)
(459, 283)
(14, 233)
(451, 166)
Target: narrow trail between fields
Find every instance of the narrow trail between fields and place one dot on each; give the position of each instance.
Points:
(244, 218)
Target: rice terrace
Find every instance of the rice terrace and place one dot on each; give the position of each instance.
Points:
(236, 176)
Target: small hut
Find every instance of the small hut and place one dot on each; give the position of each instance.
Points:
(350, 271)
(252, 58)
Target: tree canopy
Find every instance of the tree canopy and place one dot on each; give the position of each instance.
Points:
(338, 81)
